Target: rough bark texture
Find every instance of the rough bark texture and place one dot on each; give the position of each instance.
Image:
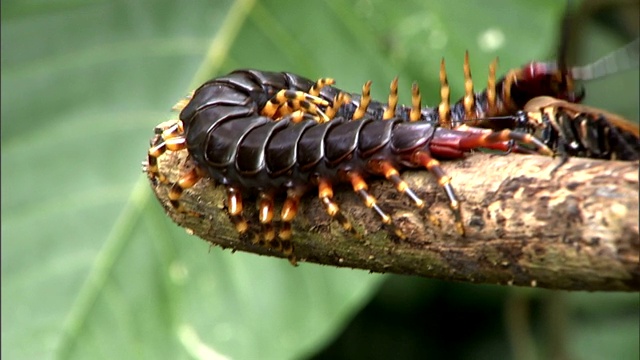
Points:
(575, 230)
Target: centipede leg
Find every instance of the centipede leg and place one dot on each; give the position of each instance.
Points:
(169, 136)
(364, 102)
(235, 208)
(265, 215)
(295, 100)
(339, 100)
(425, 159)
(390, 111)
(319, 84)
(392, 174)
(325, 193)
(416, 103)
(185, 182)
(444, 109)
(360, 187)
(289, 211)
(469, 95)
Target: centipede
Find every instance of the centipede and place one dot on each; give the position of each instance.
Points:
(264, 135)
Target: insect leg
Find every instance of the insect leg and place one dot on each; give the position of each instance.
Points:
(360, 187)
(265, 215)
(444, 109)
(325, 193)
(392, 174)
(289, 211)
(469, 95)
(169, 136)
(364, 102)
(416, 103)
(235, 208)
(424, 158)
(296, 100)
(320, 83)
(339, 100)
(390, 111)
(185, 181)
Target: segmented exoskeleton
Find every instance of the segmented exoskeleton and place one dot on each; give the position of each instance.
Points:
(259, 133)
(579, 130)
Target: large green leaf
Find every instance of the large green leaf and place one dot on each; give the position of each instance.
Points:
(91, 268)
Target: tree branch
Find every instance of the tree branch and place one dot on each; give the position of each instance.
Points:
(575, 230)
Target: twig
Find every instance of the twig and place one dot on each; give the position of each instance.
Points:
(576, 229)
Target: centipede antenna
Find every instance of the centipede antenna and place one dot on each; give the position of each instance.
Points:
(390, 111)
(364, 101)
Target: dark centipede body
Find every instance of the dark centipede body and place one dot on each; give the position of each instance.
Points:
(262, 133)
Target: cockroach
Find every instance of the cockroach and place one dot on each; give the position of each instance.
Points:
(579, 130)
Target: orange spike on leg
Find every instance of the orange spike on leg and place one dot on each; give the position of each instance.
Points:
(469, 95)
(444, 109)
(169, 136)
(338, 101)
(416, 103)
(364, 102)
(390, 111)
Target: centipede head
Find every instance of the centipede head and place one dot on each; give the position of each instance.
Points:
(546, 79)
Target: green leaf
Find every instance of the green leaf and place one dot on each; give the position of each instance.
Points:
(91, 267)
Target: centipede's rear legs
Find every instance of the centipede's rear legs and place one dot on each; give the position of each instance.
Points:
(170, 136)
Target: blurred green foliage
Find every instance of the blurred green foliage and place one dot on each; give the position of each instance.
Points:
(91, 267)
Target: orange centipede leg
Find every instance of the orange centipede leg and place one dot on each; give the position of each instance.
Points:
(360, 187)
(424, 158)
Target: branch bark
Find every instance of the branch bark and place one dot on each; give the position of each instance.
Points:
(575, 230)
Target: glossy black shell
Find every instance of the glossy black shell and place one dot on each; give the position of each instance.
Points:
(227, 136)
